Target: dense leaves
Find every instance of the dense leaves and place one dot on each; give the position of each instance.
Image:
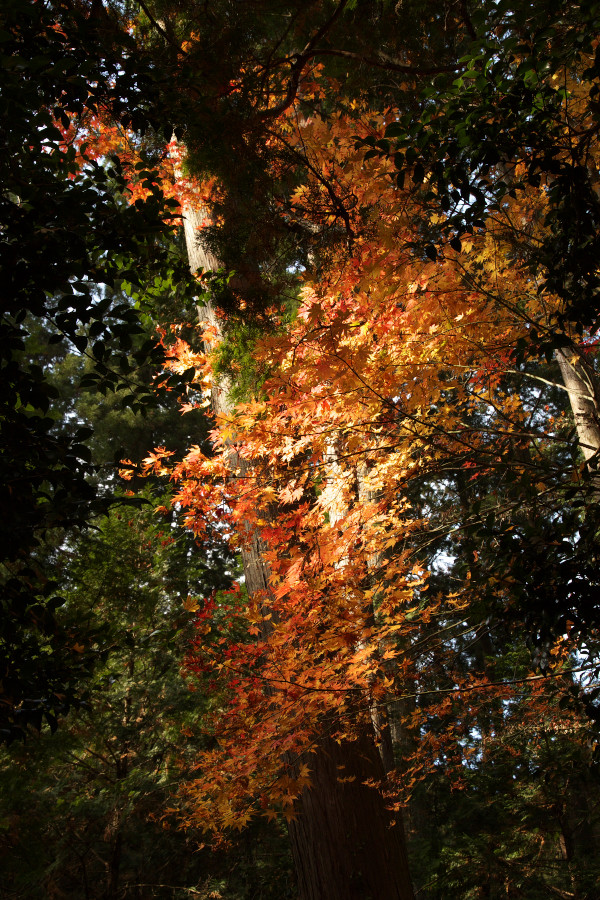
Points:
(84, 811)
(522, 114)
(76, 258)
(412, 471)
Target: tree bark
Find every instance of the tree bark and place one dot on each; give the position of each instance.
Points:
(581, 383)
(344, 843)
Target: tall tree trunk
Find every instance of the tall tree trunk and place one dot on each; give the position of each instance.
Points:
(344, 844)
(582, 386)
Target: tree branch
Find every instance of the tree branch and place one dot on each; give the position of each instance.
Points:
(160, 28)
(380, 63)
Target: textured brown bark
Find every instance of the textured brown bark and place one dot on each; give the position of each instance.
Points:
(344, 844)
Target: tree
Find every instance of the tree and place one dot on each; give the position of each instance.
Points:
(308, 845)
(75, 259)
(410, 370)
(98, 790)
(365, 852)
(378, 385)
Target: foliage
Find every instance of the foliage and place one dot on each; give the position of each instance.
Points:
(235, 70)
(97, 791)
(409, 468)
(79, 267)
(397, 371)
(522, 114)
(411, 436)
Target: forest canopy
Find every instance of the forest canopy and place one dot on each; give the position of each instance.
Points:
(325, 275)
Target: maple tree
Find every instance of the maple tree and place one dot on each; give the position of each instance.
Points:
(396, 480)
(403, 367)
(396, 371)
(371, 388)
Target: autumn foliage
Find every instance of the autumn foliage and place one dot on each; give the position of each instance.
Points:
(360, 242)
(398, 370)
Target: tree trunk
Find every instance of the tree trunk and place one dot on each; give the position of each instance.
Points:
(581, 384)
(344, 843)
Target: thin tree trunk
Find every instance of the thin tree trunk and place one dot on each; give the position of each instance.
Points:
(344, 844)
(115, 865)
(581, 383)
